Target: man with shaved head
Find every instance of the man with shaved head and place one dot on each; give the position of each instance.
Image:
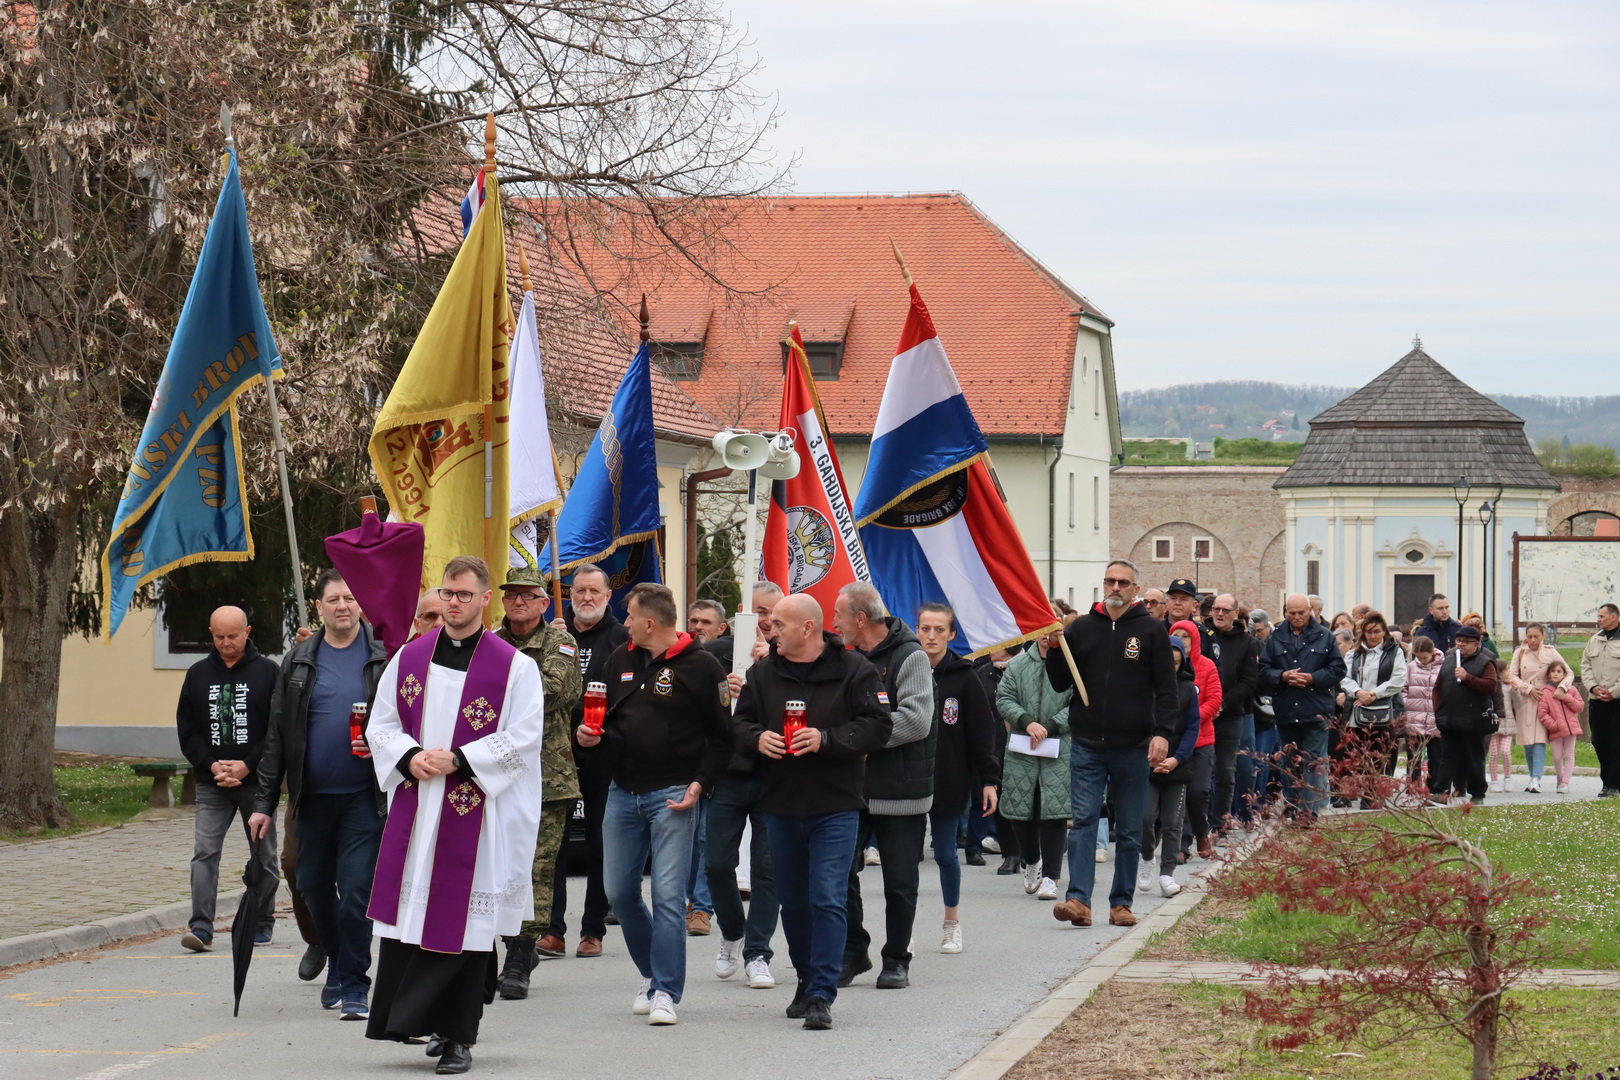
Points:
(813, 785)
(221, 721)
(429, 613)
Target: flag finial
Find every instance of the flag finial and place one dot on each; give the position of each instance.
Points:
(523, 268)
(489, 142)
(645, 319)
(901, 260)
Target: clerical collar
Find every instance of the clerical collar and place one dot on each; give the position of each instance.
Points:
(453, 654)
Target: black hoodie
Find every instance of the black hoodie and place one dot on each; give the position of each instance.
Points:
(1237, 654)
(595, 646)
(1129, 669)
(224, 712)
(966, 726)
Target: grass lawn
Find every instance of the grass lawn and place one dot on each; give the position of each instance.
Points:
(1130, 1030)
(1571, 847)
(98, 791)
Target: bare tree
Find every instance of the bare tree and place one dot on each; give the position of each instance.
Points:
(354, 122)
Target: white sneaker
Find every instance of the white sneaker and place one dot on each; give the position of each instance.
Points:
(1168, 885)
(759, 973)
(1496, 785)
(1146, 877)
(728, 961)
(1533, 787)
(1032, 878)
(1563, 789)
(663, 1009)
(1048, 890)
(643, 1003)
(872, 858)
(1102, 854)
(952, 940)
(990, 844)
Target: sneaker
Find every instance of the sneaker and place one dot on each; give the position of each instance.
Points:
(728, 961)
(643, 1003)
(264, 936)
(1608, 793)
(1168, 885)
(854, 965)
(951, 942)
(1048, 890)
(1102, 854)
(354, 1006)
(1145, 877)
(872, 858)
(1032, 878)
(800, 1003)
(1563, 789)
(894, 976)
(197, 942)
(1072, 911)
(817, 1014)
(759, 974)
(663, 1009)
(697, 924)
(1533, 787)
(1496, 785)
(991, 844)
(331, 993)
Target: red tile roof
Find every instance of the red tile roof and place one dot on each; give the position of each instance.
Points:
(1008, 323)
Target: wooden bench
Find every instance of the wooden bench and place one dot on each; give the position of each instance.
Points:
(161, 773)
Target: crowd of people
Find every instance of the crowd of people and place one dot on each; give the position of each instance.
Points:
(429, 794)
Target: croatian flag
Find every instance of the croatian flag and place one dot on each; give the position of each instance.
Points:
(472, 202)
(931, 518)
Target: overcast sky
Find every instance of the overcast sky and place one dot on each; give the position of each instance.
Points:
(1251, 189)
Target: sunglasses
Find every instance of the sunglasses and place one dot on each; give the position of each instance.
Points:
(1117, 582)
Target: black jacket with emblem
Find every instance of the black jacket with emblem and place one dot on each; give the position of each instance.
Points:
(840, 693)
(900, 777)
(667, 723)
(1237, 654)
(967, 740)
(1129, 670)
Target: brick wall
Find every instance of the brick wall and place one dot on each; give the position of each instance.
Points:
(1580, 494)
(1234, 505)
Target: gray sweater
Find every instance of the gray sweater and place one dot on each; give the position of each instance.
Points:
(913, 720)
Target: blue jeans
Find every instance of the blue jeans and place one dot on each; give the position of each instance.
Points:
(1305, 766)
(811, 857)
(942, 823)
(338, 838)
(732, 806)
(1089, 773)
(697, 881)
(1535, 759)
(1243, 772)
(1266, 778)
(633, 826)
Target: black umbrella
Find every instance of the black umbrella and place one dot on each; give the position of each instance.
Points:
(255, 898)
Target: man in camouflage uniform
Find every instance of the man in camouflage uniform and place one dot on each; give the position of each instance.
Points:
(524, 595)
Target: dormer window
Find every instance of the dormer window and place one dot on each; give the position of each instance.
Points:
(681, 360)
(826, 358)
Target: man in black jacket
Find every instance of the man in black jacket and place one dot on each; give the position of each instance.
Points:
(1125, 661)
(332, 796)
(814, 787)
(899, 781)
(665, 742)
(221, 720)
(1301, 668)
(1237, 655)
(597, 633)
(1438, 625)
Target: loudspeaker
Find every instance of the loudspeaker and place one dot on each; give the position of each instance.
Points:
(782, 461)
(741, 449)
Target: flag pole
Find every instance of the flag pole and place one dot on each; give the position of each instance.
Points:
(489, 406)
(275, 435)
(551, 515)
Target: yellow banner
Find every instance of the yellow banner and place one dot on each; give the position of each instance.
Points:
(428, 443)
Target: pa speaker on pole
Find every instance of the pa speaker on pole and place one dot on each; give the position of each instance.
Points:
(741, 449)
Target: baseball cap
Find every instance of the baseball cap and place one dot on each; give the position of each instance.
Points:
(1182, 585)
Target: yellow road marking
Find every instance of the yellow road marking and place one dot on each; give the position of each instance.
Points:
(191, 1047)
(98, 995)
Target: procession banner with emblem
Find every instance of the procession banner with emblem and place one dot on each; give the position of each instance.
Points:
(428, 442)
(533, 464)
(931, 519)
(185, 500)
(610, 517)
(811, 543)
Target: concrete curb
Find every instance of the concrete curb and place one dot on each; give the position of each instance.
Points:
(31, 948)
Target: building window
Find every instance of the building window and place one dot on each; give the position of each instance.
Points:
(681, 360)
(826, 358)
(1413, 555)
(1203, 549)
(1096, 398)
(1164, 549)
(1071, 596)
(1071, 500)
(1313, 576)
(1096, 504)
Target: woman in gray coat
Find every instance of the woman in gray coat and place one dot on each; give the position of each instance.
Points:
(1035, 790)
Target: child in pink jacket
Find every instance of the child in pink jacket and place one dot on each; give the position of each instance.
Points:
(1560, 713)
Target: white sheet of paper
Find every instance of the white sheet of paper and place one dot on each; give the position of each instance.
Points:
(1019, 744)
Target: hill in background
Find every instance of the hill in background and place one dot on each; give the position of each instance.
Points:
(1280, 412)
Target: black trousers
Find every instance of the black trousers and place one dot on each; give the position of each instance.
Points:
(420, 993)
(1227, 737)
(899, 842)
(593, 787)
(1463, 763)
(1603, 717)
(1043, 842)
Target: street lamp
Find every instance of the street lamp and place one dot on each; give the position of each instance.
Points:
(1459, 491)
(1487, 516)
(770, 453)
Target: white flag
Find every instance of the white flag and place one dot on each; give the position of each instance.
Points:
(533, 466)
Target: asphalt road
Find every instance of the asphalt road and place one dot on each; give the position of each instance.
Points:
(157, 1012)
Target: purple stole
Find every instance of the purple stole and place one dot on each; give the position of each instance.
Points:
(461, 819)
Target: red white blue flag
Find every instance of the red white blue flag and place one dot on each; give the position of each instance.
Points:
(472, 202)
(931, 518)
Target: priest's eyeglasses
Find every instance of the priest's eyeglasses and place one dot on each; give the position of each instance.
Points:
(459, 595)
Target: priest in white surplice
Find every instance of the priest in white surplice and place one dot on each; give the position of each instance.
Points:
(455, 736)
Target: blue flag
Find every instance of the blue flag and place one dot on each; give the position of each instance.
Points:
(185, 500)
(610, 516)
